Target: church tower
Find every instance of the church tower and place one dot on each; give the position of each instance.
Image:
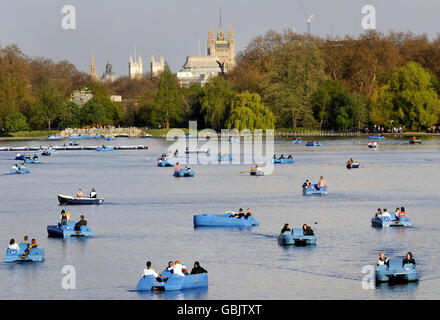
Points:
(222, 47)
(92, 69)
(135, 68)
(108, 75)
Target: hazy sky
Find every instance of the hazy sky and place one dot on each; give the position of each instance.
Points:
(173, 28)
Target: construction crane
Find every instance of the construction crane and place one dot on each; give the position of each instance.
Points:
(309, 18)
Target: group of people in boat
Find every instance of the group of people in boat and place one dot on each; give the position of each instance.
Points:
(321, 184)
(178, 167)
(383, 260)
(80, 194)
(65, 217)
(398, 213)
(174, 267)
(258, 170)
(17, 168)
(29, 246)
(282, 157)
(307, 230)
(241, 214)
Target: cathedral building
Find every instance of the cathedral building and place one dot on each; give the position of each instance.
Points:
(135, 69)
(222, 47)
(108, 75)
(92, 69)
(157, 66)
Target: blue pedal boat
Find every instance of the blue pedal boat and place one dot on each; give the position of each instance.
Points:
(20, 171)
(297, 141)
(374, 137)
(224, 220)
(184, 173)
(20, 156)
(225, 158)
(74, 143)
(381, 221)
(174, 282)
(72, 200)
(396, 272)
(314, 190)
(165, 163)
(31, 160)
(295, 237)
(36, 254)
(313, 144)
(68, 230)
(109, 138)
(105, 149)
(353, 165)
(283, 161)
(55, 137)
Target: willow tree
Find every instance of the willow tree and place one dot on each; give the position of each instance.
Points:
(249, 112)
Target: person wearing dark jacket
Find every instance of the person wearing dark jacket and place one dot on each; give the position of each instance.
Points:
(408, 259)
(307, 231)
(80, 223)
(198, 269)
(286, 228)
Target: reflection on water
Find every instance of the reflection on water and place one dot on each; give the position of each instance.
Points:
(148, 216)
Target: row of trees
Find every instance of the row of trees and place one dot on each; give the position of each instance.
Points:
(282, 80)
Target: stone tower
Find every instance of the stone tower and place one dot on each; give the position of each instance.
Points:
(92, 69)
(135, 69)
(157, 66)
(222, 47)
(108, 75)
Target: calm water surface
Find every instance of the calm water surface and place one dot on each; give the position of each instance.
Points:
(147, 215)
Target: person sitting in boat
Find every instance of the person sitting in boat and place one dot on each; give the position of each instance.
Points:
(148, 271)
(307, 231)
(305, 184)
(386, 214)
(35, 156)
(286, 228)
(290, 157)
(408, 259)
(274, 156)
(176, 153)
(81, 222)
(33, 245)
(23, 166)
(198, 269)
(402, 212)
(28, 157)
(63, 218)
(26, 241)
(378, 213)
(322, 183)
(309, 185)
(170, 265)
(248, 213)
(15, 167)
(93, 193)
(414, 138)
(382, 260)
(282, 156)
(177, 167)
(258, 169)
(396, 213)
(188, 168)
(79, 193)
(238, 215)
(179, 269)
(13, 245)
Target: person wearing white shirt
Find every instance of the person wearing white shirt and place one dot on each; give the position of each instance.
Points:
(15, 167)
(150, 272)
(13, 245)
(386, 213)
(178, 268)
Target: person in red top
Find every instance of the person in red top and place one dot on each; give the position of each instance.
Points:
(402, 212)
(414, 138)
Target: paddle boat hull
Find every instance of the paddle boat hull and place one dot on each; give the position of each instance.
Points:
(415, 141)
(380, 222)
(295, 237)
(256, 173)
(283, 161)
(297, 141)
(32, 160)
(105, 149)
(313, 144)
(184, 173)
(224, 220)
(376, 137)
(71, 200)
(165, 163)
(373, 146)
(20, 171)
(54, 138)
(20, 157)
(13, 255)
(109, 138)
(396, 272)
(174, 282)
(353, 165)
(314, 190)
(68, 230)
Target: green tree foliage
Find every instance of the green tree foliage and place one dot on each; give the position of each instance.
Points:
(248, 112)
(335, 108)
(167, 110)
(191, 102)
(51, 104)
(16, 122)
(411, 98)
(216, 102)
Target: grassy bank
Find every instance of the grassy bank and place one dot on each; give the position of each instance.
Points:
(23, 135)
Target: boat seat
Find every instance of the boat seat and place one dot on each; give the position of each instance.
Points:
(297, 233)
(395, 264)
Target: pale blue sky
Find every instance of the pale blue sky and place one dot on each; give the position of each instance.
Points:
(173, 27)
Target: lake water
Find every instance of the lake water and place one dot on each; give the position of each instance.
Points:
(148, 215)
